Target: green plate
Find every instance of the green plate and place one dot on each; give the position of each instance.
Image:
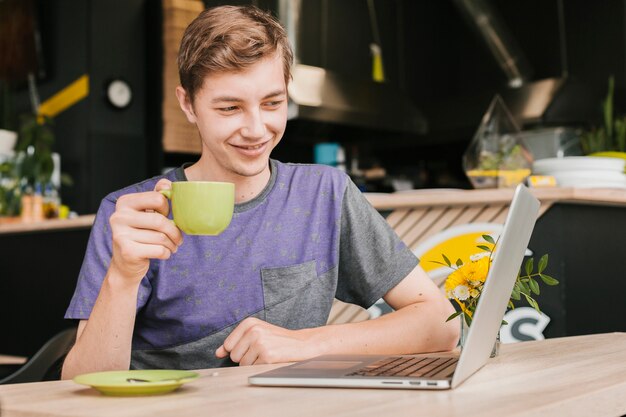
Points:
(127, 383)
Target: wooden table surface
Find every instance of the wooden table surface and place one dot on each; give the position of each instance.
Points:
(573, 376)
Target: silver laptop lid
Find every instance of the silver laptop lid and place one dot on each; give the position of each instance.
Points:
(507, 260)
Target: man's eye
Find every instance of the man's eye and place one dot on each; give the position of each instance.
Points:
(228, 109)
(273, 104)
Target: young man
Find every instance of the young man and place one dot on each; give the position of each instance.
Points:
(261, 291)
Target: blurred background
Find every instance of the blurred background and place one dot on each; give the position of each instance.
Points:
(441, 63)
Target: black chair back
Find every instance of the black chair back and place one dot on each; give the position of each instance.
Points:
(43, 361)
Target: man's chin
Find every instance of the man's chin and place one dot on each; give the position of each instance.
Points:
(251, 170)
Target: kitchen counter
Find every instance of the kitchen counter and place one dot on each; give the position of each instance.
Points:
(80, 222)
(430, 197)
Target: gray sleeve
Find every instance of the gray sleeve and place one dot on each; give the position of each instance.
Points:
(372, 258)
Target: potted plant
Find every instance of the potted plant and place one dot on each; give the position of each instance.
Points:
(34, 151)
(609, 139)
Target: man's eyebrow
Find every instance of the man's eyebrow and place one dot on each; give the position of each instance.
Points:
(230, 99)
(275, 93)
(226, 98)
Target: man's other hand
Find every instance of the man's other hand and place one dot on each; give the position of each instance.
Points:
(255, 342)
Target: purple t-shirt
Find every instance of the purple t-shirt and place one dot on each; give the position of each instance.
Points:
(308, 237)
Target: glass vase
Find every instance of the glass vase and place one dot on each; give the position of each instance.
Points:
(496, 156)
(495, 351)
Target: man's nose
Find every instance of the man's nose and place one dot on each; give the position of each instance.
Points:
(254, 125)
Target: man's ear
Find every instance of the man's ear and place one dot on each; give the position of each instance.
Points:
(185, 104)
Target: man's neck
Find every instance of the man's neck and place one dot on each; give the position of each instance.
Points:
(246, 188)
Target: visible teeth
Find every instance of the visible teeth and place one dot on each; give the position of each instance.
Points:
(252, 147)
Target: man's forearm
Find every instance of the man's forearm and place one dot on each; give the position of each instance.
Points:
(105, 342)
(416, 328)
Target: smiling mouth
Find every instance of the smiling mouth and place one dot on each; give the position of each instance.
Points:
(251, 148)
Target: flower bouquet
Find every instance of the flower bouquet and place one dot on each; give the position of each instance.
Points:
(465, 284)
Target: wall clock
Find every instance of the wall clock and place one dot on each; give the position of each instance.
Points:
(118, 93)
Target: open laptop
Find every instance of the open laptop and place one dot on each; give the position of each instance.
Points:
(429, 371)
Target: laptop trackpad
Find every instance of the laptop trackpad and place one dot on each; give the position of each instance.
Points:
(327, 365)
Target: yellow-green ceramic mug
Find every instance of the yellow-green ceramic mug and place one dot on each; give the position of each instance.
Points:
(201, 207)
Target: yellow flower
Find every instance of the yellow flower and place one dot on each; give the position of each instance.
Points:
(476, 272)
(454, 280)
(469, 276)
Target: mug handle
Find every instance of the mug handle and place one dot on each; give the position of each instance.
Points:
(167, 193)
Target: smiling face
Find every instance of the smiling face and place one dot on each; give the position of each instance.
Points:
(241, 117)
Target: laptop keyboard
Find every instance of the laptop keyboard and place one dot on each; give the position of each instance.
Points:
(408, 367)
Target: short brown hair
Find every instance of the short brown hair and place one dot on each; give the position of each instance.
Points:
(229, 38)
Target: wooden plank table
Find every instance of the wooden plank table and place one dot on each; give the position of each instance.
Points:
(573, 376)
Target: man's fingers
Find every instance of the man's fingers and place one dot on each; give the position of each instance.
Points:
(254, 341)
(240, 339)
(153, 237)
(145, 251)
(240, 349)
(250, 358)
(163, 184)
(234, 336)
(220, 352)
(148, 221)
(149, 200)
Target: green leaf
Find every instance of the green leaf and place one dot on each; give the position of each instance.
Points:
(446, 260)
(504, 323)
(515, 294)
(548, 280)
(532, 303)
(485, 248)
(607, 107)
(438, 263)
(524, 287)
(543, 262)
(468, 319)
(511, 305)
(529, 266)
(459, 262)
(534, 287)
(489, 239)
(452, 316)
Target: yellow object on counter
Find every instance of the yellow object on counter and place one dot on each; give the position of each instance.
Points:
(505, 178)
(64, 211)
(537, 181)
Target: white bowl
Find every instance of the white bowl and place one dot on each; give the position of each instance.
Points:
(591, 179)
(550, 166)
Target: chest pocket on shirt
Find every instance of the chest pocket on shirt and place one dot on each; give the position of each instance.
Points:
(295, 297)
